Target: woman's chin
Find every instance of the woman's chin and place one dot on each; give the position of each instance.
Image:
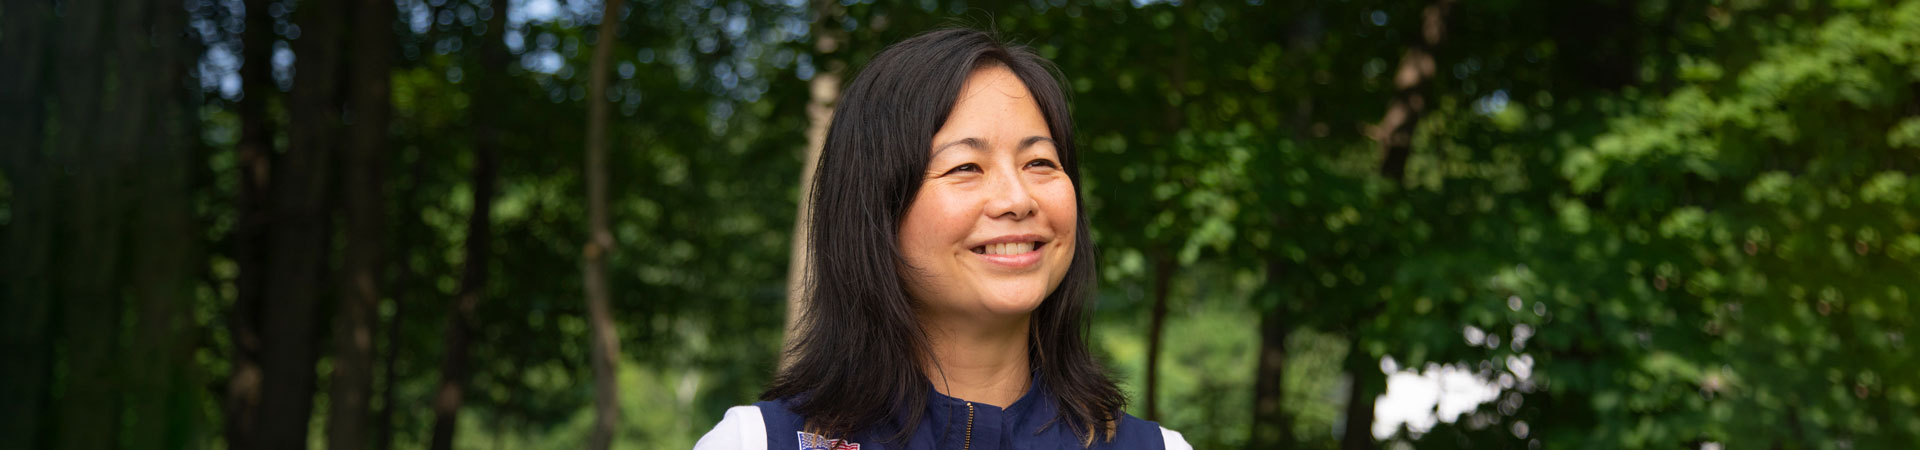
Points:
(1013, 301)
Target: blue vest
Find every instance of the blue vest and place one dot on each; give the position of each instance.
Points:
(1027, 424)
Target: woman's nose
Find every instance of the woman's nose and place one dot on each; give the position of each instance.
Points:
(1010, 198)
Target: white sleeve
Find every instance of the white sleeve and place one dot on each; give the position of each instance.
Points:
(741, 429)
(1173, 440)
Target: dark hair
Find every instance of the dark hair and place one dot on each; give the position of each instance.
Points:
(855, 362)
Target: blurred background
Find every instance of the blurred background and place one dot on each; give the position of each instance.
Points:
(531, 224)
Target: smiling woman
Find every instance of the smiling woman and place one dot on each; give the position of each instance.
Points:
(992, 228)
(952, 270)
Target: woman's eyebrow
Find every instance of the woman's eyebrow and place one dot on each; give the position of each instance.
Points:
(981, 144)
(974, 143)
(1030, 140)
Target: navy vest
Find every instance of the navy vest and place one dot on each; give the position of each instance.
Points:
(1028, 424)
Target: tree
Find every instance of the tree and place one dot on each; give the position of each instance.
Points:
(92, 307)
(255, 153)
(163, 398)
(299, 234)
(1645, 224)
(24, 281)
(1395, 137)
(82, 169)
(823, 90)
(456, 363)
(605, 345)
(363, 260)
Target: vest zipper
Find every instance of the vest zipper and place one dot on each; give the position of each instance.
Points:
(969, 443)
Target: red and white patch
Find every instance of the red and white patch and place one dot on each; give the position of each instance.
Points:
(810, 441)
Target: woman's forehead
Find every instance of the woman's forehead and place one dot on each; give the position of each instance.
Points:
(994, 108)
(996, 78)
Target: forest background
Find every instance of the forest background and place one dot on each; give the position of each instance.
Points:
(403, 224)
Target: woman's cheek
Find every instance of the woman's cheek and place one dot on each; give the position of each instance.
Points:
(1063, 210)
(948, 215)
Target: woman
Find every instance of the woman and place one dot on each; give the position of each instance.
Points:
(951, 270)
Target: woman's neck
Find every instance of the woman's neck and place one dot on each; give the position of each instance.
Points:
(981, 363)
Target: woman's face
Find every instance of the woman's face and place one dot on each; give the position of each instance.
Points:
(991, 231)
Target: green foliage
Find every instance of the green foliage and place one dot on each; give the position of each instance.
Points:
(1651, 224)
(1706, 235)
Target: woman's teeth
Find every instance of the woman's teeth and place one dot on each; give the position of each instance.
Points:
(1011, 248)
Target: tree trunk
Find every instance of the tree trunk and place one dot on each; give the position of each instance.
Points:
(298, 235)
(89, 408)
(1272, 427)
(363, 258)
(1395, 135)
(92, 305)
(605, 345)
(455, 366)
(1368, 383)
(255, 155)
(830, 64)
(1164, 266)
(1409, 102)
(163, 397)
(1162, 278)
(25, 342)
(404, 275)
(383, 420)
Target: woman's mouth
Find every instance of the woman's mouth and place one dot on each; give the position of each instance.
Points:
(1010, 248)
(1011, 255)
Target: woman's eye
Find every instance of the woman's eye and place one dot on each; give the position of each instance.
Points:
(968, 167)
(1047, 163)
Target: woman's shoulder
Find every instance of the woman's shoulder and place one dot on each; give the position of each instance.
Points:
(748, 426)
(1135, 429)
(742, 428)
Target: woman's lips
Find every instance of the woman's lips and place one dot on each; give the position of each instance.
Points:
(1016, 260)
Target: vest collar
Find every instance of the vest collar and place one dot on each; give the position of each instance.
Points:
(947, 417)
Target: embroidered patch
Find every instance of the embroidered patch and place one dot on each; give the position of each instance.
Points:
(810, 441)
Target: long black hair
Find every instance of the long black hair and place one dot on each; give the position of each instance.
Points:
(856, 361)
